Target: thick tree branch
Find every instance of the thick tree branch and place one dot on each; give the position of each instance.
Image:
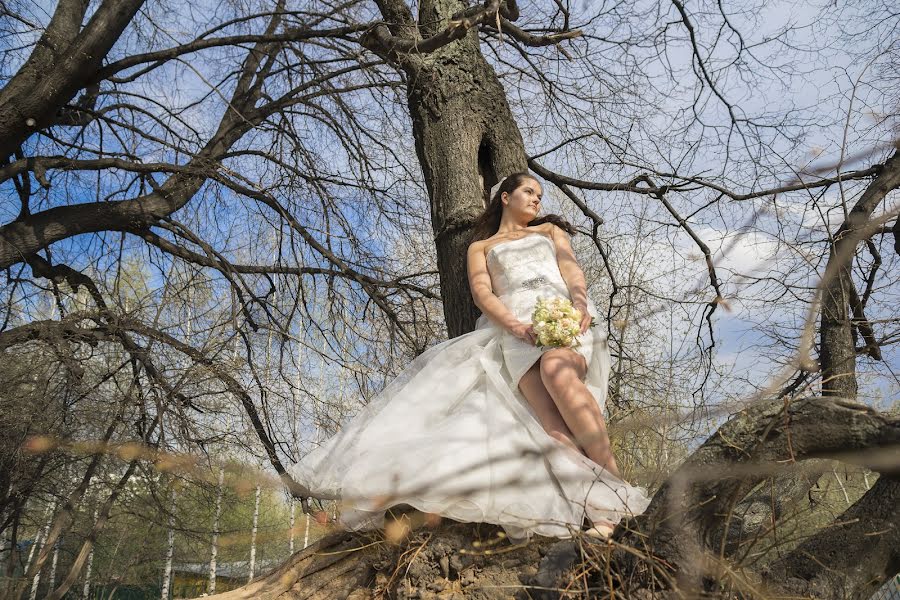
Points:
(22, 238)
(383, 42)
(51, 331)
(531, 40)
(205, 261)
(398, 16)
(32, 99)
(685, 523)
(160, 57)
(633, 187)
(38, 165)
(851, 558)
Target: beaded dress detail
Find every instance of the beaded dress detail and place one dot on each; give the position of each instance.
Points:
(453, 435)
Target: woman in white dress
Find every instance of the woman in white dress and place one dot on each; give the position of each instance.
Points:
(487, 427)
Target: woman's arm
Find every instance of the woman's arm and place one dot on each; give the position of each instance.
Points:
(483, 292)
(572, 274)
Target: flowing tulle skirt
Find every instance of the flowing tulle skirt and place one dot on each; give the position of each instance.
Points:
(453, 435)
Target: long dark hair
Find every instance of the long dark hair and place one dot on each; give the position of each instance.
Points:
(489, 222)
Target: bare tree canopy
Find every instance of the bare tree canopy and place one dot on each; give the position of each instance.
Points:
(225, 226)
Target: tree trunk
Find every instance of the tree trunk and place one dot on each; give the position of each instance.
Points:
(51, 583)
(291, 528)
(86, 553)
(686, 524)
(761, 510)
(86, 591)
(214, 551)
(45, 534)
(170, 553)
(680, 542)
(837, 344)
(37, 545)
(306, 534)
(466, 139)
(253, 536)
(13, 548)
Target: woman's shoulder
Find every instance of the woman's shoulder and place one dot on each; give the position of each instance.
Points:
(548, 229)
(551, 228)
(477, 245)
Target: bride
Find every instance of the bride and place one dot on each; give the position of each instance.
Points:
(488, 427)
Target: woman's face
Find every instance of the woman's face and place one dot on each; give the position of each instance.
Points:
(525, 199)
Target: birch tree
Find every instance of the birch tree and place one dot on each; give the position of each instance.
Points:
(214, 545)
(170, 552)
(253, 536)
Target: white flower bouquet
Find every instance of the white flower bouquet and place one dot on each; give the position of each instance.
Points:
(556, 323)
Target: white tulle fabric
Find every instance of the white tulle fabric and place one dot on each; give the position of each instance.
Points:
(453, 435)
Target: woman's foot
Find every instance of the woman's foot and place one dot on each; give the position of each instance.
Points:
(601, 530)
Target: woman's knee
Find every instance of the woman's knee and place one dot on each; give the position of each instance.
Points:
(559, 435)
(567, 439)
(561, 366)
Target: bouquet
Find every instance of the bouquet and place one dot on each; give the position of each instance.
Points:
(556, 322)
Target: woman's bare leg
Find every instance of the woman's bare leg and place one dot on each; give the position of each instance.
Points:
(543, 405)
(562, 371)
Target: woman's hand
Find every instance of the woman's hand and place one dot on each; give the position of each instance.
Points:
(585, 323)
(524, 331)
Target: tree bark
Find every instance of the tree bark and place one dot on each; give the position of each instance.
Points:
(28, 234)
(37, 576)
(762, 509)
(466, 139)
(686, 523)
(291, 526)
(170, 552)
(76, 568)
(852, 558)
(64, 59)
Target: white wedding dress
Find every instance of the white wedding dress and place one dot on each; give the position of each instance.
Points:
(453, 435)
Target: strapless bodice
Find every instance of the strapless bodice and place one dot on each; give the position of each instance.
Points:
(524, 269)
